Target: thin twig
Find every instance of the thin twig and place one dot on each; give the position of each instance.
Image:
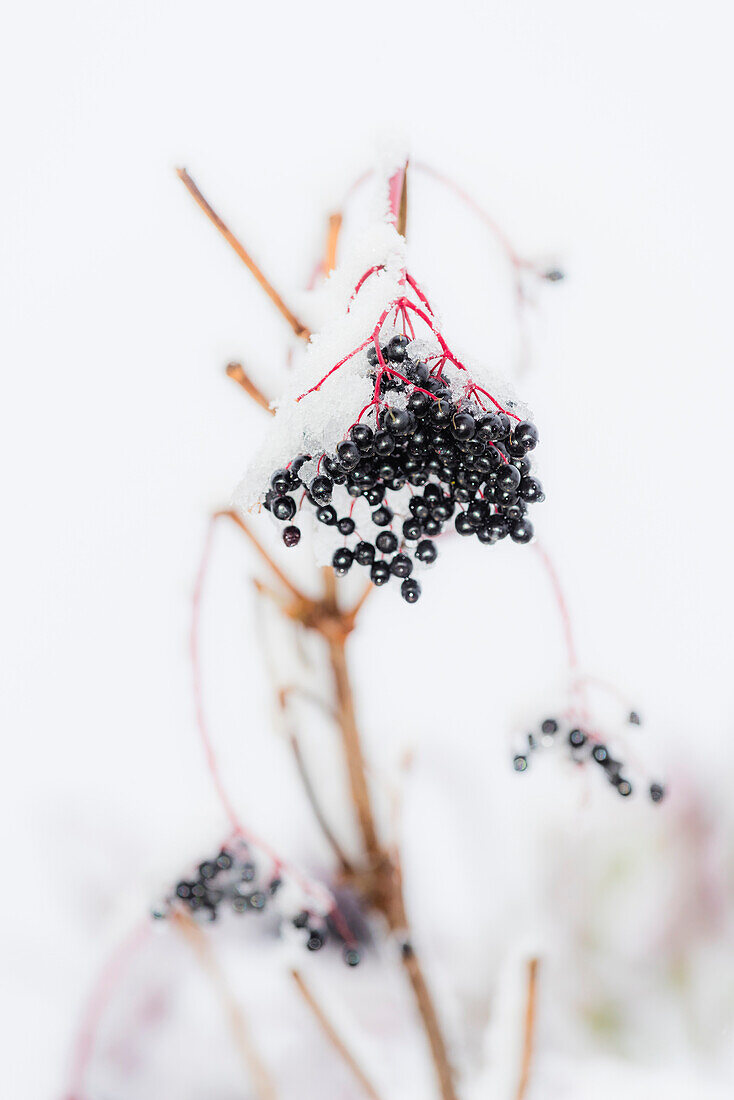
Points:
(529, 1028)
(283, 604)
(237, 373)
(316, 807)
(298, 327)
(275, 568)
(334, 1037)
(332, 240)
(256, 1069)
(369, 587)
(398, 920)
(352, 747)
(286, 693)
(388, 894)
(379, 881)
(402, 220)
(330, 597)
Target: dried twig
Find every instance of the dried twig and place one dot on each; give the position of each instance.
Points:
(298, 327)
(334, 1038)
(274, 567)
(332, 240)
(529, 1028)
(290, 691)
(352, 747)
(402, 220)
(257, 1071)
(238, 373)
(398, 920)
(368, 588)
(318, 813)
(378, 880)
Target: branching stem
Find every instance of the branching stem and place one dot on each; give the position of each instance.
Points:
(334, 1037)
(257, 1071)
(273, 565)
(529, 1028)
(318, 813)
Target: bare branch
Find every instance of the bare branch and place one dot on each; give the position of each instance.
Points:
(402, 220)
(353, 751)
(529, 1028)
(369, 587)
(274, 567)
(334, 1038)
(299, 328)
(238, 374)
(332, 241)
(286, 693)
(330, 597)
(256, 1069)
(316, 807)
(379, 880)
(398, 920)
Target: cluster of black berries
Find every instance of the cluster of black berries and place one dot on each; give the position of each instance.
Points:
(232, 881)
(316, 937)
(467, 465)
(584, 747)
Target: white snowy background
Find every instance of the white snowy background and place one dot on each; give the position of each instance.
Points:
(598, 136)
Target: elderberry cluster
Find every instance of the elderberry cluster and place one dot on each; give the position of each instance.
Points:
(466, 465)
(232, 881)
(583, 747)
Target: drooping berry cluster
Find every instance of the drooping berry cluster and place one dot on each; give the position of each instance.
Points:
(232, 881)
(583, 746)
(459, 462)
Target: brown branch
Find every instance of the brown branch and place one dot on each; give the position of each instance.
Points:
(398, 921)
(529, 1028)
(402, 219)
(432, 1027)
(256, 1069)
(353, 751)
(334, 1038)
(238, 374)
(274, 567)
(318, 813)
(283, 604)
(316, 807)
(332, 241)
(299, 328)
(287, 692)
(369, 587)
(379, 881)
(383, 876)
(330, 597)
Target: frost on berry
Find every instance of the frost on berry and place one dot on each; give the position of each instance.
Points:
(385, 439)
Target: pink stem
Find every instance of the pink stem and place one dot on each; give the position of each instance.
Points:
(395, 194)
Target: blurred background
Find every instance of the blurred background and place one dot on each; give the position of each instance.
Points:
(596, 137)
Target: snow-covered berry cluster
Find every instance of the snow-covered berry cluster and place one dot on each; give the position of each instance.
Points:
(233, 881)
(459, 462)
(583, 746)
